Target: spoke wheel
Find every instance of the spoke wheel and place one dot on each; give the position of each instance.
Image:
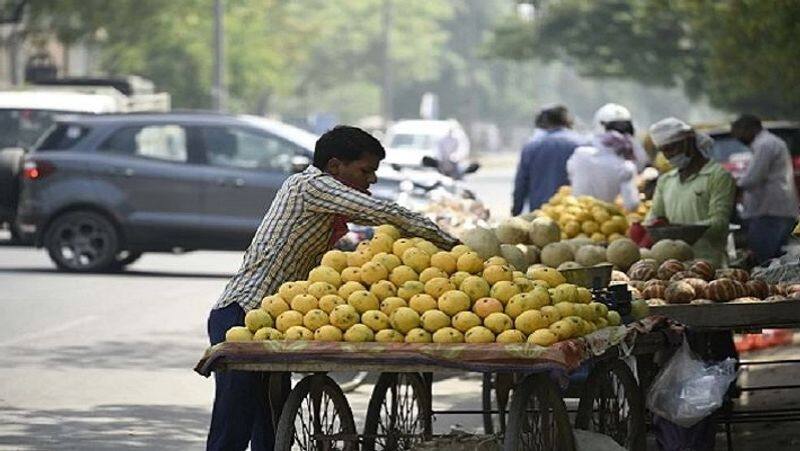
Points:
(496, 392)
(537, 418)
(82, 241)
(316, 417)
(612, 404)
(399, 415)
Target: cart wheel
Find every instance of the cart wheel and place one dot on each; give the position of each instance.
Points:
(398, 416)
(537, 418)
(316, 416)
(612, 404)
(496, 392)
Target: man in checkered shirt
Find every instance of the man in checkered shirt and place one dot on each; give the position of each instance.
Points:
(307, 217)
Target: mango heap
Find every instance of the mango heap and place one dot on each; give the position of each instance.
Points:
(395, 289)
(584, 216)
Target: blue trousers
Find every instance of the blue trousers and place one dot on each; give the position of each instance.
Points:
(767, 234)
(241, 412)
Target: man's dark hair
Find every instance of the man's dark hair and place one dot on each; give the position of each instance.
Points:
(556, 117)
(747, 122)
(345, 143)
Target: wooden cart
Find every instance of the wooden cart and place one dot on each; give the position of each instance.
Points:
(316, 414)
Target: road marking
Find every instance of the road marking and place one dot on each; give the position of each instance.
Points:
(30, 337)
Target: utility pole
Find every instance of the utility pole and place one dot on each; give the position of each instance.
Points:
(219, 93)
(387, 91)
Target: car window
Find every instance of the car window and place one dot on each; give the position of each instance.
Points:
(724, 147)
(241, 148)
(160, 142)
(23, 127)
(62, 136)
(415, 141)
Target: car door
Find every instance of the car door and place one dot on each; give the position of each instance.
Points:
(153, 172)
(247, 167)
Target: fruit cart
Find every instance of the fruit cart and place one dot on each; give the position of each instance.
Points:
(316, 414)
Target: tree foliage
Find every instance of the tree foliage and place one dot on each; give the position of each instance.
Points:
(742, 54)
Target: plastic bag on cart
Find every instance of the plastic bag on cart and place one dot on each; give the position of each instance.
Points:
(689, 389)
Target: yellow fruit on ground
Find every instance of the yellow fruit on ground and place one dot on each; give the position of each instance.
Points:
(267, 333)
(375, 320)
(320, 289)
(448, 335)
(613, 317)
(608, 227)
(365, 247)
(571, 228)
(566, 292)
(238, 333)
(580, 325)
(445, 261)
(584, 311)
(389, 336)
(416, 259)
(590, 227)
(479, 334)
(498, 322)
(614, 237)
(432, 273)
(525, 285)
(403, 319)
(343, 316)
(383, 289)
(328, 333)
(565, 309)
(496, 273)
(600, 215)
(495, 261)
(274, 305)
(388, 229)
(459, 277)
(540, 283)
(433, 320)
(289, 290)
(436, 287)
(381, 243)
(539, 297)
(359, 333)
(598, 237)
(335, 259)
(504, 290)
(287, 319)
(465, 321)
(517, 304)
(372, 272)
(600, 309)
(422, 302)
(351, 274)
(390, 261)
(390, 304)
(475, 287)
(325, 274)
(363, 301)
(315, 319)
(584, 295)
(328, 302)
(358, 258)
(298, 333)
(530, 321)
(511, 336)
(459, 250)
(256, 319)
(600, 323)
(304, 303)
(550, 313)
(470, 262)
(563, 329)
(484, 307)
(418, 335)
(410, 288)
(350, 287)
(454, 301)
(428, 247)
(549, 275)
(402, 274)
(543, 337)
(401, 245)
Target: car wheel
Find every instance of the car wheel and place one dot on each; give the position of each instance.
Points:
(125, 258)
(82, 241)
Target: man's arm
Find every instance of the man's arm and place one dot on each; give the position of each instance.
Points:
(327, 195)
(758, 171)
(522, 182)
(657, 209)
(628, 189)
(722, 189)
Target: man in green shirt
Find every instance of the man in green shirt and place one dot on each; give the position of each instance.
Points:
(696, 191)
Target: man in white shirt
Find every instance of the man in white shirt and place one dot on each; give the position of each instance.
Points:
(602, 172)
(769, 194)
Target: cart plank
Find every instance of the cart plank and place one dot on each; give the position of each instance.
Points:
(745, 315)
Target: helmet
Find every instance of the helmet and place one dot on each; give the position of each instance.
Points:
(611, 112)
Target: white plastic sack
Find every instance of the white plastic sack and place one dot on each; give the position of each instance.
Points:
(689, 389)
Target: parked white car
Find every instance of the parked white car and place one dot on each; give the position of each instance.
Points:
(408, 141)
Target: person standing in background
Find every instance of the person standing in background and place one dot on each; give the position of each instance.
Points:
(543, 164)
(614, 117)
(769, 194)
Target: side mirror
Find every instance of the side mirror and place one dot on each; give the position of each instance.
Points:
(300, 163)
(430, 162)
(472, 168)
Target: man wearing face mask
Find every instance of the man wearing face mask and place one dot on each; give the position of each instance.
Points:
(696, 191)
(769, 196)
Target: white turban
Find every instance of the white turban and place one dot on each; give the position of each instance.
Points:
(670, 130)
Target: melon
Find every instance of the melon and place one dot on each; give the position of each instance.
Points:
(555, 254)
(623, 253)
(544, 231)
(514, 255)
(590, 255)
(483, 241)
(671, 249)
(513, 231)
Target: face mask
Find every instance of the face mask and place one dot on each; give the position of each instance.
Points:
(679, 161)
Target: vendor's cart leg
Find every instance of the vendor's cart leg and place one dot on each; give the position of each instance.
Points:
(316, 416)
(399, 415)
(537, 418)
(428, 380)
(278, 387)
(496, 393)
